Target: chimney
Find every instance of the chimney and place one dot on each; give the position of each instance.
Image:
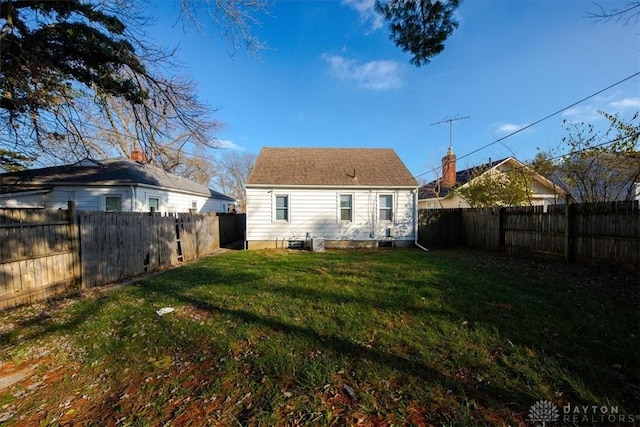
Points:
(138, 156)
(449, 169)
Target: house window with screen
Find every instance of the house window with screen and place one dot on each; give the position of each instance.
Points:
(386, 207)
(346, 207)
(113, 203)
(282, 207)
(154, 204)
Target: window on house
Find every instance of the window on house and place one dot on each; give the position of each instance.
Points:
(194, 204)
(113, 203)
(154, 204)
(282, 208)
(346, 207)
(386, 207)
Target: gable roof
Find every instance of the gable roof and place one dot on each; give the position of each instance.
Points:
(428, 191)
(110, 172)
(344, 167)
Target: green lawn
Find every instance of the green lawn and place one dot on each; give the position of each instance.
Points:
(384, 337)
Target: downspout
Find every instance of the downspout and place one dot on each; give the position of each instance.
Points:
(415, 222)
(133, 197)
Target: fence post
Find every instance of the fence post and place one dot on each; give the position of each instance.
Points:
(568, 231)
(74, 242)
(501, 227)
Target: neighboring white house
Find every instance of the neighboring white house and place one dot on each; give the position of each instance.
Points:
(109, 185)
(352, 197)
(439, 193)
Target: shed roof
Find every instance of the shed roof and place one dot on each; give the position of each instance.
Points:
(343, 167)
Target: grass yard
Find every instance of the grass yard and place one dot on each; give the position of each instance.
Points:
(369, 337)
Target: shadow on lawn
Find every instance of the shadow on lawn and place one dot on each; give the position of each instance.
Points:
(516, 301)
(175, 290)
(44, 323)
(357, 352)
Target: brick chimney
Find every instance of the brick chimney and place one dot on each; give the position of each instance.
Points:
(449, 169)
(138, 156)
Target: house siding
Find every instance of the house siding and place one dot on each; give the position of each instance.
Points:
(316, 211)
(134, 199)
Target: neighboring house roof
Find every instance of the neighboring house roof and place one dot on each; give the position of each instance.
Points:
(343, 167)
(110, 172)
(433, 189)
(217, 195)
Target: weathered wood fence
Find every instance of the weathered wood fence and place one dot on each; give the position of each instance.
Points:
(594, 232)
(38, 258)
(44, 252)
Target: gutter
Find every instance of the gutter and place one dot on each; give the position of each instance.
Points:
(333, 186)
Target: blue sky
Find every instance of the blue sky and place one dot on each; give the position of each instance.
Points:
(331, 77)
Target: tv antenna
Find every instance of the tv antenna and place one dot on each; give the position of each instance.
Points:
(450, 121)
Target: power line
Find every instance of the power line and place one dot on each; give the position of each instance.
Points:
(569, 153)
(549, 116)
(541, 120)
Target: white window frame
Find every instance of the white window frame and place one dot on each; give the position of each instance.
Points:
(389, 208)
(275, 207)
(149, 202)
(351, 207)
(113, 195)
(194, 205)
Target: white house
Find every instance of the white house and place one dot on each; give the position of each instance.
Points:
(352, 197)
(439, 193)
(109, 185)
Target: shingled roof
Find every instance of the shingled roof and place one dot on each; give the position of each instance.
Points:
(434, 188)
(104, 172)
(344, 167)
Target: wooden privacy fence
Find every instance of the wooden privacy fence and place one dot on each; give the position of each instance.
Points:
(601, 232)
(38, 254)
(44, 252)
(117, 246)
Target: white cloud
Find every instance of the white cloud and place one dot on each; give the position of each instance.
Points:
(502, 128)
(376, 75)
(227, 145)
(626, 103)
(589, 113)
(586, 113)
(367, 12)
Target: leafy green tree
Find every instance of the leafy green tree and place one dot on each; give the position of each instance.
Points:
(488, 189)
(419, 27)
